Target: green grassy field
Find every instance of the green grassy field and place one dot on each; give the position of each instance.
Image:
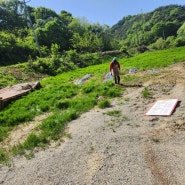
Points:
(66, 100)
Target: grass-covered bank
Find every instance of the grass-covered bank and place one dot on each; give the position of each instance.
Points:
(60, 96)
(155, 59)
(67, 101)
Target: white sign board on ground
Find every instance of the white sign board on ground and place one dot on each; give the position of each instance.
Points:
(162, 107)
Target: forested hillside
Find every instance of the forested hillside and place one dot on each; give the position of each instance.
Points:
(21, 26)
(163, 25)
(52, 43)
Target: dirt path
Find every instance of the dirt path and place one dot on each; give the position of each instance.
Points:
(130, 149)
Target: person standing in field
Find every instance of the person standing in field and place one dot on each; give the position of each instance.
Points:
(115, 70)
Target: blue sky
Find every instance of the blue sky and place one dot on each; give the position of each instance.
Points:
(103, 11)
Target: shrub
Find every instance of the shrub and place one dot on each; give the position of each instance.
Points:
(179, 42)
(104, 104)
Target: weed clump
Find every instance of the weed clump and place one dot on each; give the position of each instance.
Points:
(115, 113)
(104, 104)
(4, 157)
(146, 93)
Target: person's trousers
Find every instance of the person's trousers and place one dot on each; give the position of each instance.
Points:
(117, 79)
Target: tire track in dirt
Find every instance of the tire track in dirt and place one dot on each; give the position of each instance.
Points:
(151, 159)
(156, 168)
(94, 164)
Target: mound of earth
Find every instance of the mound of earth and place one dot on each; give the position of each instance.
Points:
(126, 148)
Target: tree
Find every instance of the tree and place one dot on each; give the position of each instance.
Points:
(158, 30)
(159, 44)
(88, 42)
(27, 15)
(54, 32)
(180, 41)
(65, 17)
(103, 33)
(11, 15)
(76, 27)
(171, 29)
(45, 14)
(181, 31)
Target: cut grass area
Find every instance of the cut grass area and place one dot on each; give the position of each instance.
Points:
(67, 100)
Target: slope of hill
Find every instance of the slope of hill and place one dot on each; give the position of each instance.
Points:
(116, 145)
(146, 28)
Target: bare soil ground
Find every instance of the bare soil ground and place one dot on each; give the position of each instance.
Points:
(131, 149)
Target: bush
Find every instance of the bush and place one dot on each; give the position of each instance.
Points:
(104, 104)
(180, 42)
(159, 44)
(53, 65)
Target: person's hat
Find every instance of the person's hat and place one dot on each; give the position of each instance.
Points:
(114, 59)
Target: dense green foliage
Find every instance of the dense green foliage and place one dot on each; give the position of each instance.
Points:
(27, 31)
(30, 33)
(165, 23)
